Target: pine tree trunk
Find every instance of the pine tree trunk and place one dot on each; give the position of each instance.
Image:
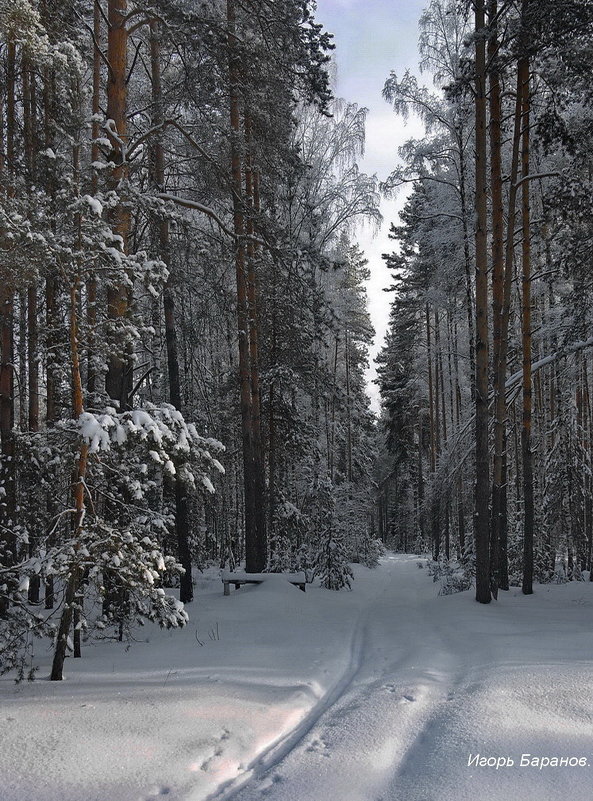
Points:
(252, 197)
(439, 358)
(527, 457)
(8, 543)
(255, 531)
(7, 478)
(74, 579)
(482, 488)
(501, 313)
(119, 378)
(30, 304)
(33, 359)
(186, 592)
(91, 284)
(333, 414)
(51, 281)
(497, 291)
(469, 301)
(431, 414)
(348, 408)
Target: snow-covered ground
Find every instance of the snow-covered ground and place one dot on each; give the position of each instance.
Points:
(381, 694)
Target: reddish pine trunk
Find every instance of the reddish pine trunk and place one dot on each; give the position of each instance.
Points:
(74, 579)
(118, 381)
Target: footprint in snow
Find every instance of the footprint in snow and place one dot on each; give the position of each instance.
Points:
(405, 698)
(268, 784)
(207, 762)
(318, 747)
(218, 750)
(158, 792)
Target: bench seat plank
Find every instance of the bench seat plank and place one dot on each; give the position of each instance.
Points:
(228, 578)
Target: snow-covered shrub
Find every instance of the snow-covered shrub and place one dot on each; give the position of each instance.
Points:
(42, 463)
(330, 563)
(454, 581)
(286, 538)
(560, 576)
(452, 575)
(371, 550)
(20, 626)
(127, 573)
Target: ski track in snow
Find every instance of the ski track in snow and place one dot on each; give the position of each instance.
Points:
(278, 750)
(369, 718)
(413, 703)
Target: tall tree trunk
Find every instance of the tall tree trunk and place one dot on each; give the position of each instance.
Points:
(460, 488)
(431, 414)
(420, 486)
(186, 592)
(51, 310)
(70, 599)
(255, 530)
(7, 478)
(441, 380)
(8, 543)
(469, 301)
(252, 197)
(527, 457)
(482, 488)
(30, 303)
(333, 414)
(501, 316)
(33, 359)
(91, 284)
(495, 106)
(272, 437)
(348, 408)
(119, 378)
(22, 360)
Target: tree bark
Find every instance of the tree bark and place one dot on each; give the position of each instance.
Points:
(186, 592)
(482, 487)
(469, 300)
(527, 458)
(91, 284)
(8, 543)
(75, 576)
(252, 196)
(119, 378)
(498, 514)
(255, 520)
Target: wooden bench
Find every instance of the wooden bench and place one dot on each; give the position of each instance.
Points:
(298, 579)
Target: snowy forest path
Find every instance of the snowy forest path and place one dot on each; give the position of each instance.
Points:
(362, 735)
(442, 682)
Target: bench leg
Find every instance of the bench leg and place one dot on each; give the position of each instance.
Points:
(227, 589)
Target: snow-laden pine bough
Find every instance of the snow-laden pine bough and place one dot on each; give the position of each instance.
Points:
(113, 556)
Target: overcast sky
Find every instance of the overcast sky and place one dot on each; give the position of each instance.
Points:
(373, 37)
